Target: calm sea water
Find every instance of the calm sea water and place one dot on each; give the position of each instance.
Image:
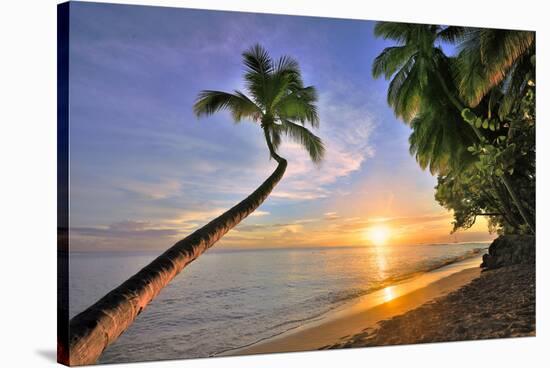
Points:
(229, 299)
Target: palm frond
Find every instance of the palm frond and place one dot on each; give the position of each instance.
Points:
(285, 79)
(259, 67)
(399, 32)
(412, 66)
(404, 91)
(275, 136)
(287, 65)
(487, 56)
(209, 102)
(470, 76)
(299, 105)
(301, 135)
(390, 60)
(257, 60)
(452, 34)
(278, 99)
(439, 141)
(513, 86)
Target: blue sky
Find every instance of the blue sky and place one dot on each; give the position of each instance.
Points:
(145, 172)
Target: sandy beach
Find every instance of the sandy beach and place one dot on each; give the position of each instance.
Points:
(352, 324)
(498, 304)
(456, 302)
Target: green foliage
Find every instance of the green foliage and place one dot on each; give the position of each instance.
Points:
(477, 191)
(491, 58)
(439, 141)
(278, 101)
(410, 65)
(469, 116)
(299, 134)
(472, 116)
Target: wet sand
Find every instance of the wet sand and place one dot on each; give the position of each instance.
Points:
(498, 304)
(346, 326)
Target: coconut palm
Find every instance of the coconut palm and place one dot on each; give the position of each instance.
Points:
(494, 67)
(416, 66)
(282, 106)
(438, 141)
(277, 100)
(494, 59)
(419, 70)
(420, 94)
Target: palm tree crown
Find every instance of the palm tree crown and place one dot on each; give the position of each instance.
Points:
(420, 93)
(494, 60)
(439, 141)
(277, 99)
(432, 92)
(415, 65)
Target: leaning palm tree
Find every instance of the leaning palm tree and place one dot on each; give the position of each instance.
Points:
(282, 105)
(419, 69)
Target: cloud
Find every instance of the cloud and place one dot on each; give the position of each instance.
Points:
(355, 224)
(301, 192)
(277, 228)
(331, 216)
(126, 228)
(151, 190)
(346, 129)
(259, 213)
(191, 217)
(116, 235)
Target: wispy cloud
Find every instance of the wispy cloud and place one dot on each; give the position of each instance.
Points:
(126, 229)
(139, 153)
(152, 189)
(122, 236)
(353, 224)
(331, 216)
(346, 129)
(259, 213)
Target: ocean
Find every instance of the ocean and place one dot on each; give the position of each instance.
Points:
(232, 298)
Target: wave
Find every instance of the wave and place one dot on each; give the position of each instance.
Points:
(336, 298)
(332, 300)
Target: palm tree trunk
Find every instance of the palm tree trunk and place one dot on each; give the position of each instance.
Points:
(272, 152)
(505, 181)
(91, 331)
(502, 206)
(516, 200)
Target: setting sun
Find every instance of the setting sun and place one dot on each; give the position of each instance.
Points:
(378, 234)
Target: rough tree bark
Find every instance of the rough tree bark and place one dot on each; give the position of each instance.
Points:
(91, 331)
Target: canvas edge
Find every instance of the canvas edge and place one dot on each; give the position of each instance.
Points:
(63, 11)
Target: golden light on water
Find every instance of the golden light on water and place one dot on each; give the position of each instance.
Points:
(378, 234)
(388, 293)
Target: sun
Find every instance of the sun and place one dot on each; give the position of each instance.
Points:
(378, 234)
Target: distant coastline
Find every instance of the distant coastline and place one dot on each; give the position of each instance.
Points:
(222, 249)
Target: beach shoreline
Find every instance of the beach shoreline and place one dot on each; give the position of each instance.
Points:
(364, 314)
(501, 303)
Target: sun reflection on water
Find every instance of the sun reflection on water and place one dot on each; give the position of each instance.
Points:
(389, 293)
(381, 261)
